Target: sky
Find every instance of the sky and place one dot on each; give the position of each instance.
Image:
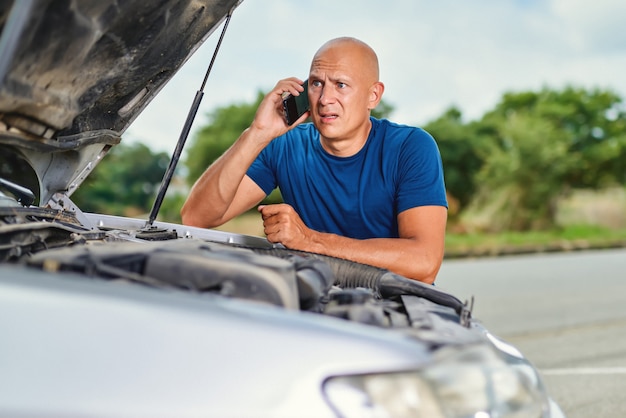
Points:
(432, 54)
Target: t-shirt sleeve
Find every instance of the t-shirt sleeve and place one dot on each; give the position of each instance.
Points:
(420, 173)
(262, 170)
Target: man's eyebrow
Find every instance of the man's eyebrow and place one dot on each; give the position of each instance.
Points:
(342, 78)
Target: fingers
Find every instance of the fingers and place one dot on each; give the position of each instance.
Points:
(292, 85)
(267, 211)
(271, 222)
(269, 117)
(281, 223)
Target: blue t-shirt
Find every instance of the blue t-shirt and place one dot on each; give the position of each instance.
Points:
(360, 196)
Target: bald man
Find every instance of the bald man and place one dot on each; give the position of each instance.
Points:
(354, 187)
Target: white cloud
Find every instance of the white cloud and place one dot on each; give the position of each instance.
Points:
(432, 54)
(593, 27)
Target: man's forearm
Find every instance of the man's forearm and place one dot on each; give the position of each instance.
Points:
(417, 254)
(217, 196)
(213, 193)
(407, 257)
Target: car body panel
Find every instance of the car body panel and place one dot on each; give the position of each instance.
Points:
(72, 346)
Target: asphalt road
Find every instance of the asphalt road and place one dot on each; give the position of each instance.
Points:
(566, 312)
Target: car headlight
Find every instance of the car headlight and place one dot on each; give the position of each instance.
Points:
(463, 382)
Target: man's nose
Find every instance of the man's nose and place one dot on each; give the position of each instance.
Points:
(326, 94)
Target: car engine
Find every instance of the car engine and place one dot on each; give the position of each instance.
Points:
(54, 241)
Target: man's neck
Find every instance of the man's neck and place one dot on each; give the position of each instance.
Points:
(349, 145)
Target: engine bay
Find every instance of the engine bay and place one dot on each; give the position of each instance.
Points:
(54, 241)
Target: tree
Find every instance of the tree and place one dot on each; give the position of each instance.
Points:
(124, 183)
(521, 179)
(537, 147)
(593, 119)
(458, 145)
(224, 126)
(383, 110)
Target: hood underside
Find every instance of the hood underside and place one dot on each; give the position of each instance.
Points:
(77, 73)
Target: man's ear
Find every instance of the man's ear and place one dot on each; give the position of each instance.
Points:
(376, 93)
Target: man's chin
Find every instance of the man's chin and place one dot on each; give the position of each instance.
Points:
(331, 123)
(328, 130)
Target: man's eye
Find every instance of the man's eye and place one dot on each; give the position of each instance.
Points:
(341, 85)
(316, 83)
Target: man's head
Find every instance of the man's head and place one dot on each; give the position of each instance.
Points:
(344, 88)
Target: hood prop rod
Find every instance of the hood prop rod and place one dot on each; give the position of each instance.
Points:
(167, 178)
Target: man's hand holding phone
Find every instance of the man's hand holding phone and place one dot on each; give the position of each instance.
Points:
(296, 106)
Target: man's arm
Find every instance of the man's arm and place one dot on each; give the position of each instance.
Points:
(416, 254)
(224, 191)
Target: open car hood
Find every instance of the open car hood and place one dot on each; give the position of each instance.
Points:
(75, 74)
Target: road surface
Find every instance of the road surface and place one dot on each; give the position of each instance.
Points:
(566, 312)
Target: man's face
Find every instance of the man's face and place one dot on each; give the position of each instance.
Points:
(340, 93)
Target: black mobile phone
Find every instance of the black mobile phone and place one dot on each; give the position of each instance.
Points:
(296, 106)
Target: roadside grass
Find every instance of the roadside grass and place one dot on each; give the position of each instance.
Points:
(587, 219)
(568, 238)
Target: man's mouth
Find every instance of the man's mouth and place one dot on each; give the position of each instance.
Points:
(327, 117)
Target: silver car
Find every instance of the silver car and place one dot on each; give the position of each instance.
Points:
(111, 316)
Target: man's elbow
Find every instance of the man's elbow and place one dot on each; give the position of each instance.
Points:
(186, 214)
(426, 279)
(197, 222)
(190, 220)
(432, 274)
(428, 273)
(190, 217)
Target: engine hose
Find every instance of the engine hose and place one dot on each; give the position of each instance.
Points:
(392, 284)
(349, 274)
